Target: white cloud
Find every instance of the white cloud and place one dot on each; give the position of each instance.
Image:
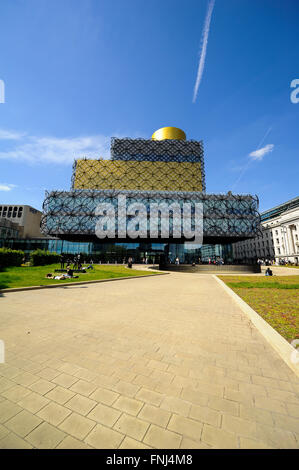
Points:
(6, 187)
(203, 52)
(33, 149)
(260, 153)
(10, 135)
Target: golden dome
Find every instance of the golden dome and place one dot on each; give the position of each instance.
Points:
(169, 133)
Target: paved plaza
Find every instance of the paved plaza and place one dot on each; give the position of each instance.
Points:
(168, 361)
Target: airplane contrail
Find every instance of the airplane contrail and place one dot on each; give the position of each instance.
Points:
(204, 45)
(245, 167)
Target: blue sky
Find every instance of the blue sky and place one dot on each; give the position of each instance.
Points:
(77, 72)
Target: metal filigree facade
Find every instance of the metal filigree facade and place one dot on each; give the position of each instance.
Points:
(225, 216)
(138, 175)
(147, 171)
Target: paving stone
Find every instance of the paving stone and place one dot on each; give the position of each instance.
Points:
(252, 389)
(85, 374)
(170, 390)
(102, 437)
(149, 396)
(45, 436)
(239, 397)
(293, 410)
(125, 388)
(223, 405)
(267, 403)
(176, 405)
(185, 426)
(81, 404)
(83, 388)
(283, 395)
(246, 443)
(77, 425)
(16, 393)
(128, 405)
(23, 423)
(129, 443)
(219, 438)
(277, 438)
(70, 442)
(42, 386)
(155, 415)
(210, 389)
(25, 378)
(8, 410)
(65, 380)
(240, 426)
(104, 414)
(5, 384)
(256, 414)
(8, 371)
(33, 402)
(286, 422)
(205, 414)
(107, 397)
(160, 438)
(153, 364)
(48, 374)
(60, 395)
(68, 368)
(195, 396)
(3, 431)
(54, 413)
(11, 441)
(131, 426)
(190, 444)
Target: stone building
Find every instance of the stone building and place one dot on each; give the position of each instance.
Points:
(278, 239)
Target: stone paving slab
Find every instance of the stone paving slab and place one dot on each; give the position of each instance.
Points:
(163, 362)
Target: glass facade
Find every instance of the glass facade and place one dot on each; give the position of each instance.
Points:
(107, 252)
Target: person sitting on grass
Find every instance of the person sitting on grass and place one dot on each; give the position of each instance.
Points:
(69, 271)
(268, 272)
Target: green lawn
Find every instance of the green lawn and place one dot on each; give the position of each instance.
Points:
(35, 275)
(275, 298)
